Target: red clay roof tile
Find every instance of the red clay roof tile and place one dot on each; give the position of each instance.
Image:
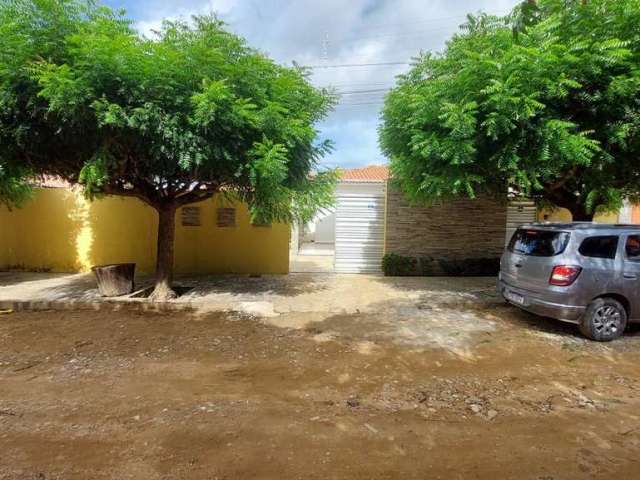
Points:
(372, 173)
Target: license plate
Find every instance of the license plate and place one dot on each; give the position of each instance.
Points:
(514, 297)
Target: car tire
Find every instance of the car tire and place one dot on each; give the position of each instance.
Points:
(604, 320)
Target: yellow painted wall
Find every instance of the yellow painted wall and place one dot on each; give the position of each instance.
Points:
(564, 215)
(61, 231)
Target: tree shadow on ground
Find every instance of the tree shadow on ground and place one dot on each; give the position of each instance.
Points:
(283, 285)
(12, 277)
(474, 285)
(46, 287)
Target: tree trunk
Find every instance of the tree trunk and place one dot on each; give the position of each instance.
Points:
(578, 211)
(572, 202)
(581, 215)
(163, 290)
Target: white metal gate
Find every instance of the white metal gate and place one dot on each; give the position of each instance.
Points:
(360, 228)
(519, 212)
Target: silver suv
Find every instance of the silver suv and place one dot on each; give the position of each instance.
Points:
(583, 273)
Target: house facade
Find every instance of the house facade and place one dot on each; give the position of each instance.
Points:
(372, 219)
(60, 231)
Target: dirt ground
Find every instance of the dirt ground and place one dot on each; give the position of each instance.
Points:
(459, 393)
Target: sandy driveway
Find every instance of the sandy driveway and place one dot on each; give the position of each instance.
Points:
(429, 390)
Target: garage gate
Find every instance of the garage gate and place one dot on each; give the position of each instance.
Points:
(360, 217)
(519, 212)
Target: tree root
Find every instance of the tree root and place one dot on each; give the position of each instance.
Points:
(163, 293)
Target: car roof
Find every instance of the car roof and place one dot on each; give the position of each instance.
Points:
(581, 226)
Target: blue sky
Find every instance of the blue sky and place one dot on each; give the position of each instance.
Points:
(329, 33)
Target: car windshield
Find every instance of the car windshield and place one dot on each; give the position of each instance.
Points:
(539, 243)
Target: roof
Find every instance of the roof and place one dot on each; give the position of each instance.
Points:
(581, 226)
(372, 173)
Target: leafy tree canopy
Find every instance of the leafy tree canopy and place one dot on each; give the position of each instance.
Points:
(171, 119)
(545, 102)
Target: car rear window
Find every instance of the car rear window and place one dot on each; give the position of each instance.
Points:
(538, 243)
(604, 246)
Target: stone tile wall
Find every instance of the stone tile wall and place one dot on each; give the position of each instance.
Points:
(453, 230)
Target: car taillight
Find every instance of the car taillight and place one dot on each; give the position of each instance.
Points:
(564, 275)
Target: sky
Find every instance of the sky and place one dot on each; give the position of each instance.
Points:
(336, 37)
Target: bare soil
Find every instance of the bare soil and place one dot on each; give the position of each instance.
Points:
(119, 395)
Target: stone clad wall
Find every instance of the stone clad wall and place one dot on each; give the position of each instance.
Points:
(454, 230)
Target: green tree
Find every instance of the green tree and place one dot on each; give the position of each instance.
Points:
(170, 119)
(544, 102)
(14, 190)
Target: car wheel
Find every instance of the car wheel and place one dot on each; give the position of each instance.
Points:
(604, 320)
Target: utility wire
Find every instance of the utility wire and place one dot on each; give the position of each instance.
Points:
(361, 100)
(355, 65)
(359, 92)
(401, 34)
(360, 96)
(354, 85)
(421, 33)
(381, 102)
(430, 20)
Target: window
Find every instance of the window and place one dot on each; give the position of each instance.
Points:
(226, 217)
(190, 216)
(632, 247)
(599, 247)
(538, 243)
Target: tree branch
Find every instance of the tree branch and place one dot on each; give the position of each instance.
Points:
(196, 195)
(563, 180)
(113, 189)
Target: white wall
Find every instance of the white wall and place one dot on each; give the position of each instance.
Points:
(626, 213)
(326, 229)
(294, 243)
(322, 229)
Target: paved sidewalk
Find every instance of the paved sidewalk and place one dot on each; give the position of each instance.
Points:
(263, 296)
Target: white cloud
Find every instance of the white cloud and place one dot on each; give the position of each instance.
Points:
(339, 32)
(152, 20)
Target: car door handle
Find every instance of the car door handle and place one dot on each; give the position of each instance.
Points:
(518, 265)
(630, 276)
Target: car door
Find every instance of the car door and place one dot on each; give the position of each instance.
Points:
(631, 272)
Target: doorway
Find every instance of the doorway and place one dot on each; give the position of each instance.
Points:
(313, 244)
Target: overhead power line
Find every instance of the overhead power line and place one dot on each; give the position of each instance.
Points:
(357, 104)
(403, 33)
(432, 20)
(355, 65)
(354, 85)
(359, 92)
(421, 33)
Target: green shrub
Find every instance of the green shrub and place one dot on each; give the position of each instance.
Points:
(471, 267)
(395, 265)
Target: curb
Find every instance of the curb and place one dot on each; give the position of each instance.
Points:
(89, 305)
